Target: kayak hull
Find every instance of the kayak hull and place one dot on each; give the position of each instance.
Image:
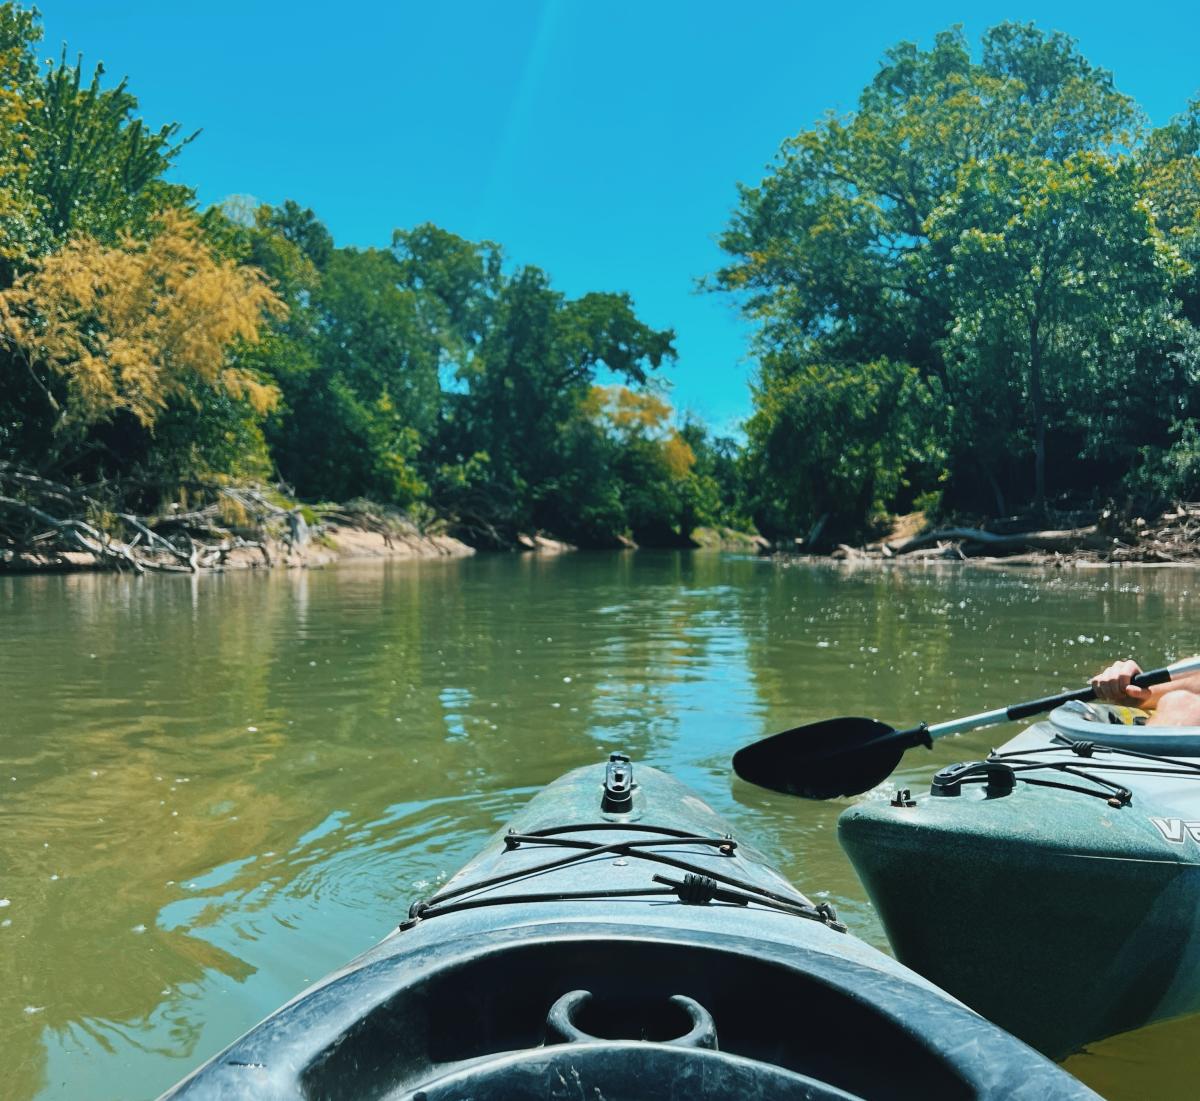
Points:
(1060, 916)
(534, 988)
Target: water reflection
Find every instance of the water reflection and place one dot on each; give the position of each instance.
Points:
(216, 789)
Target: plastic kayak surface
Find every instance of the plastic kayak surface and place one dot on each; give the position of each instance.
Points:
(615, 941)
(1054, 887)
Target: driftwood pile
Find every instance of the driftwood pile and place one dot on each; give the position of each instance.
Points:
(44, 523)
(1172, 537)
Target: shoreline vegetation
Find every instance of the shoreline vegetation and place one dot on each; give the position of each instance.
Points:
(150, 348)
(53, 527)
(957, 291)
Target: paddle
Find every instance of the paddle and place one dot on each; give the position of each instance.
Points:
(846, 756)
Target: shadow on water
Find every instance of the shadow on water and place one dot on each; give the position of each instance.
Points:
(215, 790)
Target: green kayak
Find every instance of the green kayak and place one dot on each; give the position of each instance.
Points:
(1055, 886)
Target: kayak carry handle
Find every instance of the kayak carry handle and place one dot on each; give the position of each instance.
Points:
(580, 1017)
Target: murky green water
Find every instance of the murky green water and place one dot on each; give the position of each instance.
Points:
(215, 790)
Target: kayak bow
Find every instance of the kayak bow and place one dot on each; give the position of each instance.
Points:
(616, 940)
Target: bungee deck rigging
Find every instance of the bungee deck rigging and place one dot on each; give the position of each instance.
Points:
(700, 885)
(1002, 770)
(616, 941)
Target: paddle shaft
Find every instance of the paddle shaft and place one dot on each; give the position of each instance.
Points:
(1046, 703)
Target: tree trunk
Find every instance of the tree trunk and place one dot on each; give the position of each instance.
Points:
(1038, 406)
(997, 492)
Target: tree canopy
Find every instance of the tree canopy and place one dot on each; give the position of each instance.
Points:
(144, 341)
(1006, 227)
(979, 290)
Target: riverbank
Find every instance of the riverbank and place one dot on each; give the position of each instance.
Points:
(334, 543)
(1079, 540)
(340, 542)
(49, 526)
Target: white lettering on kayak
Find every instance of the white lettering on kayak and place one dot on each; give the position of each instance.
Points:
(1174, 829)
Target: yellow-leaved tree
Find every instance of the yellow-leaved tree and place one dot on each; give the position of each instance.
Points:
(642, 418)
(132, 328)
(662, 495)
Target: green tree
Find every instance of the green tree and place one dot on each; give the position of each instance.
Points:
(126, 327)
(528, 380)
(847, 255)
(19, 35)
(662, 496)
(830, 446)
(722, 495)
(1057, 276)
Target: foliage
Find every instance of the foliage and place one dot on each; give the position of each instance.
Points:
(1057, 275)
(833, 445)
(146, 342)
(1005, 227)
(662, 496)
(526, 376)
(133, 326)
(722, 489)
(19, 34)
(961, 290)
(121, 328)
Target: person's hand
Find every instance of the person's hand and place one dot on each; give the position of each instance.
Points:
(1112, 685)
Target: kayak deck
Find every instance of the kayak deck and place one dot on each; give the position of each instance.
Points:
(555, 965)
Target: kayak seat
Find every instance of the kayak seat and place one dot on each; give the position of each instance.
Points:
(1124, 728)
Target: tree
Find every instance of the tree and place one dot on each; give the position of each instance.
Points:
(1170, 163)
(125, 332)
(1058, 274)
(300, 227)
(528, 380)
(142, 341)
(830, 447)
(19, 35)
(82, 197)
(661, 495)
(719, 470)
(843, 255)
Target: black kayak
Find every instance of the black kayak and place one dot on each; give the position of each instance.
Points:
(617, 942)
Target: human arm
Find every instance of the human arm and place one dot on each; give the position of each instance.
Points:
(1113, 685)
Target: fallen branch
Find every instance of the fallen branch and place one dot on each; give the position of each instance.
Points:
(976, 540)
(40, 518)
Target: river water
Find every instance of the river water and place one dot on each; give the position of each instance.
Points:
(214, 790)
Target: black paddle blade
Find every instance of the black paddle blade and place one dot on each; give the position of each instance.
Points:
(823, 760)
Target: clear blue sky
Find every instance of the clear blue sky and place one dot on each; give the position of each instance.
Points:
(600, 140)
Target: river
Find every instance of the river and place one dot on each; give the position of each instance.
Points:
(217, 789)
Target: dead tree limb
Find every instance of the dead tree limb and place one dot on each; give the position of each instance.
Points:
(976, 540)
